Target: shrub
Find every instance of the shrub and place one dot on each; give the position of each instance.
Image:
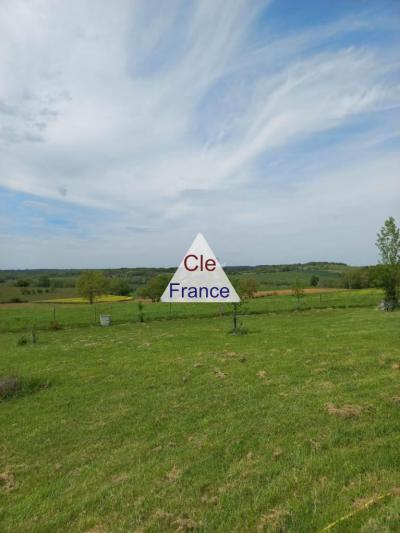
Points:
(120, 287)
(14, 386)
(23, 283)
(140, 312)
(22, 341)
(9, 387)
(43, 281)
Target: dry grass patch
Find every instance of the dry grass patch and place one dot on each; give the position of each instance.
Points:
(346, 411)
(211, 500)
(219, 374)
(277, 453)
(7, 481)
(186, 524)
(274, 520)
(326, 385)
(174, 474)
(119, 478)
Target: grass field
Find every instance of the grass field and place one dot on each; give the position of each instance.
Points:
(174, 425)
(267, 278)
(21, 317)
(105, 298)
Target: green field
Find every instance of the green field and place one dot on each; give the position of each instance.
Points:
(21, 317)
(175, 425)
(62, 282)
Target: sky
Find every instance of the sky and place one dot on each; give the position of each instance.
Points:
(127, 127)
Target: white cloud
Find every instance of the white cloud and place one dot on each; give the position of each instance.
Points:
(125, 106)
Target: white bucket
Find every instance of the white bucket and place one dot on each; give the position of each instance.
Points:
(105, 320)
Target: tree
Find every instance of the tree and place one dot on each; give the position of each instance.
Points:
(155, 287)
(43, 281)
(388, 272)
(388, 243)
(298, 291)
(120, 287)
(23, 283)
(248, 287)
(314, 281)
(91, 284)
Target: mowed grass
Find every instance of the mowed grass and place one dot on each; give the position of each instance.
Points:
(176, 425)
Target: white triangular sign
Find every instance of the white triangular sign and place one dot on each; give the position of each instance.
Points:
(200, 278)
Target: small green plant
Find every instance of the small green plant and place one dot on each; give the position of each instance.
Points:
(141, 311)
(22, 341)
(237, 328)
(298, 291)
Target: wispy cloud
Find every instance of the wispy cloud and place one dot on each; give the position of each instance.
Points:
(207, 115)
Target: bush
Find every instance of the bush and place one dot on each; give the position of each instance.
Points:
(43, 281)
(23, 283)
(14, 386)
(141, 311)
(9, 387)
(120, 287)
(55, 325)
(22, 341)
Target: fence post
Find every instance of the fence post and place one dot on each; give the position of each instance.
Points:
(234, 316)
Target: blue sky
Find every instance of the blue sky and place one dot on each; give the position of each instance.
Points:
(125, 129)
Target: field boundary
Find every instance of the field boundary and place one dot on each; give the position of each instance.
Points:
(217, 314)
